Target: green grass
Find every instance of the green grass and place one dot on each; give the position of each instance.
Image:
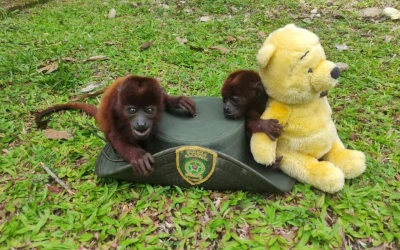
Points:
(105, 214)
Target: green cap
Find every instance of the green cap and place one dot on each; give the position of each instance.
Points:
(207, 151)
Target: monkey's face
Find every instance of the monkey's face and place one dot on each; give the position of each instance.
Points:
(234, 106)
(141, 120)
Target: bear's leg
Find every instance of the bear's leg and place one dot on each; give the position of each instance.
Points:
(320, 174)
(351, 162)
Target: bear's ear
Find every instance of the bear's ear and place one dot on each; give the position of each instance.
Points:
(264, 54)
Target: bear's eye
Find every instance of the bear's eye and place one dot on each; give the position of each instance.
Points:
(301, 58)
(310, 70)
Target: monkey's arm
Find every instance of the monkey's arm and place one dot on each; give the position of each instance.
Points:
(262, 147)
(139, 159)
(270, 127)
(182, 102)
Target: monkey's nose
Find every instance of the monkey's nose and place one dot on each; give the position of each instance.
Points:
(335, 73)
(226, 109)
(141, 125)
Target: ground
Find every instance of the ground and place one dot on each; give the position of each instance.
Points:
(191, 47)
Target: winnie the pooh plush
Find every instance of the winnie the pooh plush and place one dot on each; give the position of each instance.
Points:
(294, 72)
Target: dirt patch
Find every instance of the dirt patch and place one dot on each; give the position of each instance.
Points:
(10, 5)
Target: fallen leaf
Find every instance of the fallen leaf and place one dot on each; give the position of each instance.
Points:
(54, 189)
(181, 40)
(111, 43)
(246, 17)
(370, 12)
(205, 18)
(220, 48)
(261, 34)
(165, 6)
(230, 39)
(314, 11)
(341, 47)
(393, 13)
(289, 236)
(96, 58)
(342, 66)
(145, 46)
(90, 87)
(52, 66)
(134, 5)
(112, 13)
(57, 135)
(68, 59)
(388, 39)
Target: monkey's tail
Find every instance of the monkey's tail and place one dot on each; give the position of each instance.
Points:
(87, 108)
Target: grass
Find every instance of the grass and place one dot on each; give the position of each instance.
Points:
(36, 213)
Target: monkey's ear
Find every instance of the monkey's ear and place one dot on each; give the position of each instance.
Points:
(259, 89)
(265, 54)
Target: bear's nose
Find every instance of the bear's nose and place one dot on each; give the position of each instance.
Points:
(335, 73)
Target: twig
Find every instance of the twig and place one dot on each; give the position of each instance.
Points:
(58, 180)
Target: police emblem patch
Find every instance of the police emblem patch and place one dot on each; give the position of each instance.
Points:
(195, 164)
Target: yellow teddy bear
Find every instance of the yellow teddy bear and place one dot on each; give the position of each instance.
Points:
(294, 71)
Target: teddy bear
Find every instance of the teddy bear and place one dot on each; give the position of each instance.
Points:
(294, 71)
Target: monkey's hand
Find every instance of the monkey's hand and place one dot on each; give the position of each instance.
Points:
(181, 102)
(277, 163)
(185, 103)
(141, 163)
(270, 127)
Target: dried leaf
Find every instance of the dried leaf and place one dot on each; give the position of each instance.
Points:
(370, 12)
(342, 66)
(145, 46)
(341, 47)
(261, 34)
(112, 13)
(205, 18)
(52, 66)
(314, 11)
(96, 58)
(230, 39)
(388, 39)
(68, 59)
(289, 236)
(90, 87)
(57, 135)
(393, 13)
(220, 48)
(111, 43)
(54, 189)
(181, 40)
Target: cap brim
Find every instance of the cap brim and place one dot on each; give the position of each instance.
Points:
(229, 173)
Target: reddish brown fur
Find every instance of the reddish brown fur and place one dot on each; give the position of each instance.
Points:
(142, 90)
(111, 118)
(247, 85)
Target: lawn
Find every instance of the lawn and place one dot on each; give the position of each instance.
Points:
(37, 213)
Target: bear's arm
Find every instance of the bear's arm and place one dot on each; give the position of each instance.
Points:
(277, 110)
(262, 147)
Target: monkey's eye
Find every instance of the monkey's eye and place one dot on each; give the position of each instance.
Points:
(149, 111)
(310, 70)
(235, 100)
(131, 110)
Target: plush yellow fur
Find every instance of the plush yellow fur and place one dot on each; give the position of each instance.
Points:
(294, 71)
